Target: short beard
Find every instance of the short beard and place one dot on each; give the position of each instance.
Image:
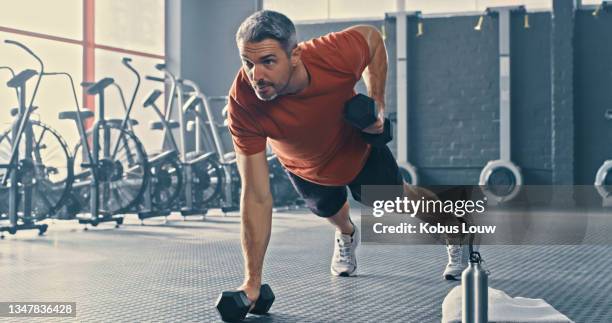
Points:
(291, 70)
(267, 99)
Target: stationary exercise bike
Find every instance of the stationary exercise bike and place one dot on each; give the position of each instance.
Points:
(112, 171)
(165, 187)
(201, 174)
(603, 178)
(283, 193)
(165, 180)
(35, 167)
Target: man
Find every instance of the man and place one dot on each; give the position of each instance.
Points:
(292, 96)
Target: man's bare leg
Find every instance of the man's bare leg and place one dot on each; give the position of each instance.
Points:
(342, 220)
(455, 244)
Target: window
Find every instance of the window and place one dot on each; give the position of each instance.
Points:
(452, 6)
(108, 63)
(135, 24)
(345, 9)
(54, 31)
(54, 94)
(63, 18)
(591, 2)
(356, 9)
(300, 10)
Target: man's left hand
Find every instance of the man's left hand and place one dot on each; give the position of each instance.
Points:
(378, 126)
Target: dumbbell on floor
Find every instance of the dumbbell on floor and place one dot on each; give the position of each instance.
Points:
(233, 306)
(360, 111)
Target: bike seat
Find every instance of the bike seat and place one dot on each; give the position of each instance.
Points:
(72, 115)
(191, 125)
(168, 154)
(158, 125)
(152, 98)
(99, 86)
(194, 157)
(191, 102)
(21, 78)
(15, 111)
(118, 122)
(230, 157)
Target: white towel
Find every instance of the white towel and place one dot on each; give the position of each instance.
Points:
(503, 308)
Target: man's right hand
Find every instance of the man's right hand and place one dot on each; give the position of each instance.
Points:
(256, 218)
(252, 291)
(378, 126)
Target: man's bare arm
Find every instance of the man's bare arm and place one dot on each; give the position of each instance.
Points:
(256, 217)
(375, 74)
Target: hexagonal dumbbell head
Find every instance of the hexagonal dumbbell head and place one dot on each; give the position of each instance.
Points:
(265, 300)
(380, 139)
(233, 306)
(360, 111)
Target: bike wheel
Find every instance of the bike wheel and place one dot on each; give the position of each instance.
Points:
(166, 183)
(123, 170)
(207, 177)
(44, 177)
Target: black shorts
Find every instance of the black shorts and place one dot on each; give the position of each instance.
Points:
(325, 201)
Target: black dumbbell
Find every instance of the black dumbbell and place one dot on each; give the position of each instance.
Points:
(360, 111)
(234, 306)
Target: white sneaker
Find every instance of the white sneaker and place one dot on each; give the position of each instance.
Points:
(458, 256)
(344, 261)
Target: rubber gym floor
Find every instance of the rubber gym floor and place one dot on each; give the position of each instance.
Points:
(173, 272)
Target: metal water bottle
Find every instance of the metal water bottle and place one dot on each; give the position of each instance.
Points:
(475, 292)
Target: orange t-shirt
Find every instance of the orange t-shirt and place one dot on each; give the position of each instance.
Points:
(307, 130)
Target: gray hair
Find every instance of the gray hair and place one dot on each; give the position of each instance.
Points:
(268, 24)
